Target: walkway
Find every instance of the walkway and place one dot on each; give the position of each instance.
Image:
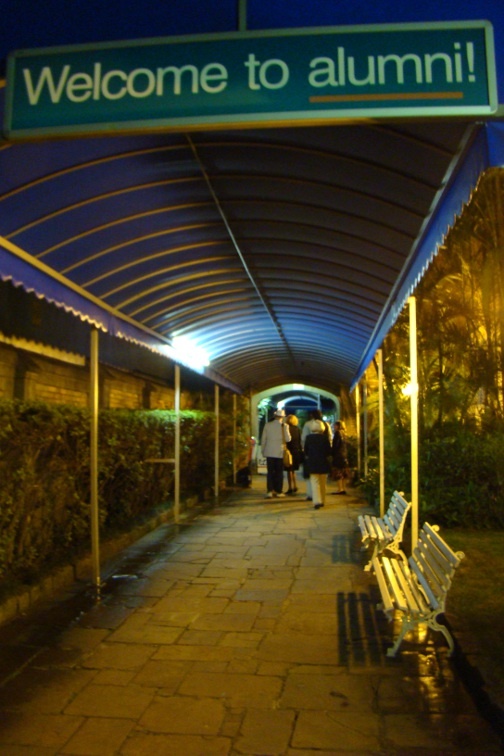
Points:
(250, 630)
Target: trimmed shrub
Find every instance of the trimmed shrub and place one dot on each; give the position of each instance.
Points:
(461, 478)
(44, 467)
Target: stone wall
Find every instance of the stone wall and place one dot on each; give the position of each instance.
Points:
(36, 377)
(8, 361)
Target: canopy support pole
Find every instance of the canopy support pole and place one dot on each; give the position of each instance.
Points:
(242, 15)
(414, 420)
(234, 439)
(93, 462)
(365, 426)
(358, 430)
(379, 360)
(176, 504)
(216, 482)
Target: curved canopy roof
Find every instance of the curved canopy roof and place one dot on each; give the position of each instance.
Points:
(285, 253)
(277, 251)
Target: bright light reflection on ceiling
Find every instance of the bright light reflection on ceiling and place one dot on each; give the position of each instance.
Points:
(188, 353)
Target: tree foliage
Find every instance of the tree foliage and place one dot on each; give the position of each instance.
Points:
(460, 338)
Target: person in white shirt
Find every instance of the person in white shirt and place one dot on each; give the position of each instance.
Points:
(274, 437)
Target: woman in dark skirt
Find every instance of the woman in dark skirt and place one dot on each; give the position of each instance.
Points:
(294, 446)
(317, 450)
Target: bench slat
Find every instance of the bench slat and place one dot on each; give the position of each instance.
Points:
(389, 522)
(400, 505)
(393, 521)
(434, 571)
(387, 605)
(407, 586)
(398, 501)
(434, 565)
(397, 594)
(420, 595)
(363, 530)
(381, 528)
(431, 597)
(370, 525)
(375, 528)
(453, 557)
(395, 513)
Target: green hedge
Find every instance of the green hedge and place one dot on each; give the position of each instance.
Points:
(461, 478)
(44, 468)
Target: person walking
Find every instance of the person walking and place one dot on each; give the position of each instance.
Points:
(314, 417)
(339, 470)
(274, 437)
(294, 446)
(317, 452)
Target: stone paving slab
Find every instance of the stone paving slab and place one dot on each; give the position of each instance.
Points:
(252, 630)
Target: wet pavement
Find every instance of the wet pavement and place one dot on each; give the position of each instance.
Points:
(251, 629)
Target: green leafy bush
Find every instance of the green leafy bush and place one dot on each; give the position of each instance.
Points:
(461, 478)
(44, 467)
(43, 498)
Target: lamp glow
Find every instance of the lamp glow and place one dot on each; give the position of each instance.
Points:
(409, 389)
(184, 350)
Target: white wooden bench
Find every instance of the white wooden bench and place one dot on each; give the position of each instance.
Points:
(417, 589)
(385, 533)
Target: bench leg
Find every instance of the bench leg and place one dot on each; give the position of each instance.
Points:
(367, 568)
(435, 625)
(431, 622)
(406, 626)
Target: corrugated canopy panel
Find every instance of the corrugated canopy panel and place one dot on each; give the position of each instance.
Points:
(282, 252)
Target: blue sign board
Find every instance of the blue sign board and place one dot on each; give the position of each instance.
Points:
(238, 79)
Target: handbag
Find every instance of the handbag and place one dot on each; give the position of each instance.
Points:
(287, 456)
